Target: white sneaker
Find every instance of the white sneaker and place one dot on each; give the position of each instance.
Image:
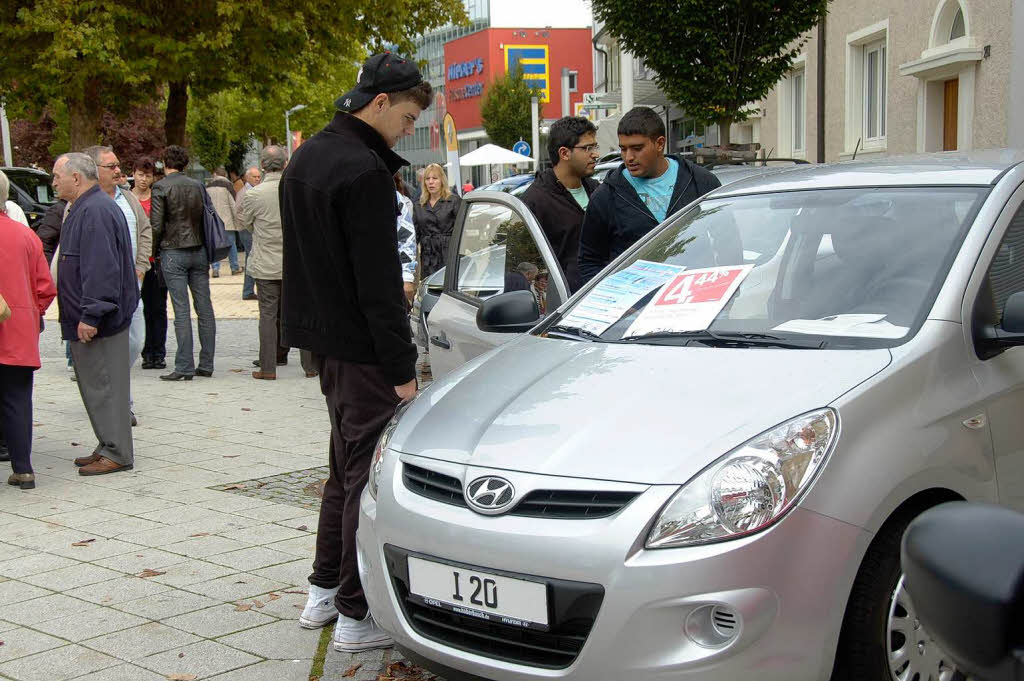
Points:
(320, 609)
(353, 636)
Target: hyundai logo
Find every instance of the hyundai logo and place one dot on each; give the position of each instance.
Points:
(490, 494)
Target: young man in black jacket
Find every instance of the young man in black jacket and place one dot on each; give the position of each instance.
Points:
(343, 299)
(560, 195)
(636, 197)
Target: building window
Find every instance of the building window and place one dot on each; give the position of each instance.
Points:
(874, 91)
(867, 67)
(799, 104)
(959, 28)
(573, 77)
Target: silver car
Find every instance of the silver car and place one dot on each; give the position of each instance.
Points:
(701, 465)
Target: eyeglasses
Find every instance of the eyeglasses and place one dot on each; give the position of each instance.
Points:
(111, 166)
(589, 148)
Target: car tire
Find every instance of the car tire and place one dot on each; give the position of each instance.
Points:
(864, 641)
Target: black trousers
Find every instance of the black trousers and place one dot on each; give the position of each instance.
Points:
(16, 414)
(360, 401)
(154, 300)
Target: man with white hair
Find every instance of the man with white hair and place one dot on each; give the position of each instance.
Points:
(97, 293)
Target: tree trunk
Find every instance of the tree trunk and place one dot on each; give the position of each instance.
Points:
(85, 111)
(725, 133)
(177, 111)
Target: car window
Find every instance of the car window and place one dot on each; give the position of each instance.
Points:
(1005, 274)
(36, 185)
(497, 253)
(833, 267)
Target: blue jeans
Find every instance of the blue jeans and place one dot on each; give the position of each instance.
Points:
(232, 254)
(187, 269)
(248, 283)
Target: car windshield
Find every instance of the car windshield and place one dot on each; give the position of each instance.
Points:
(825, 268)
(36, 185)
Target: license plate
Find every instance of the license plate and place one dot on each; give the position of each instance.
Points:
(476, 593)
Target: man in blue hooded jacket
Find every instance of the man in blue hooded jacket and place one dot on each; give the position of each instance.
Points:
(97, 293)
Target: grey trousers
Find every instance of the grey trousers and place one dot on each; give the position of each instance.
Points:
(268, 292)
(103, 381)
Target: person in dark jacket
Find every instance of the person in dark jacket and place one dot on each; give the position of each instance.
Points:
(178, 238)
(48, 228)
(559, 195)
(344, 301)
(434, 216)
(97, 293)
(638, 195)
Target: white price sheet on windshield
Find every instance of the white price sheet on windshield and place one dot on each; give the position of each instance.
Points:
(690, 301)
(615, 295)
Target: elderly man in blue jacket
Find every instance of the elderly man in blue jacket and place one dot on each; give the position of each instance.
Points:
(97, 293)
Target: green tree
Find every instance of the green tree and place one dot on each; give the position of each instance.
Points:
(506, 109)
(209, 143)
(713, 57)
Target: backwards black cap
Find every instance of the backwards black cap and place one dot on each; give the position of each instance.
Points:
(384, 72)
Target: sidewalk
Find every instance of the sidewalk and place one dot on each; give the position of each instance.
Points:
(193, 565)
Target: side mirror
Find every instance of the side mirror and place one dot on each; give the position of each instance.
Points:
(1011, 332)
(964, 567)
(512, 312)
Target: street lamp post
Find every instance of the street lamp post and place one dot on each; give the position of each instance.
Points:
(287, 127)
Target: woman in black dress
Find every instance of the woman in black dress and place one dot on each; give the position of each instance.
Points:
(434, 217)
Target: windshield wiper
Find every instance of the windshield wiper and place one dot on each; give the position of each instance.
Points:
(571, 333)
(732, 339)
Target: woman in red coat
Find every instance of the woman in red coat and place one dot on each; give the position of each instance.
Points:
(27, 288)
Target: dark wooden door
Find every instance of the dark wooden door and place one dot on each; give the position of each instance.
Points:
(949, 108)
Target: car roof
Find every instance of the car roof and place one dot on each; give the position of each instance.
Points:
(20, 169)
(978, 168)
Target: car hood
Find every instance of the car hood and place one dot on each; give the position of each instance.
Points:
(630, 413)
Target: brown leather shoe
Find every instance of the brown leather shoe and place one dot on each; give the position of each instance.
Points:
(259, 375)
(102, 467)
(22, 480)
(312, 374)
(86, 460)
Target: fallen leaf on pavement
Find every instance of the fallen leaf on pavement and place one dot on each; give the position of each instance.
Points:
(246, 409)
(258, 604)
(242, 607)
(273, 597)
(83, 542)
(200, 534)
(181, 655)
(212, 393)
(150, 573)
(351, 671)
(237, 485)
(182, 677)
(302, 527)
(236, 371)
(75, 444)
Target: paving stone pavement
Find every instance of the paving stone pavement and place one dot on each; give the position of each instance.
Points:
(147, 574)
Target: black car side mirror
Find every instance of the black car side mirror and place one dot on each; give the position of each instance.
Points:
(964, 567)
(1011, 332)
(512, 312)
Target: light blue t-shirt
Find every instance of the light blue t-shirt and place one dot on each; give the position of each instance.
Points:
(656, 193)
(580, 194)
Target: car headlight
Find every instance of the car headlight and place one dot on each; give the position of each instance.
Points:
(377, 462)
(749, 488)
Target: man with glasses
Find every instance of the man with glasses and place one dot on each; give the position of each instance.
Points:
(141, 238)
(560, 195)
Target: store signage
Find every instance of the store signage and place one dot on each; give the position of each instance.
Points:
(465, 69)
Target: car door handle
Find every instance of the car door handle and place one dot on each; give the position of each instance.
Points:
(441, 341)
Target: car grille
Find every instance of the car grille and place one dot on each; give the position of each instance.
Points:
(573, 609)
(556, 504)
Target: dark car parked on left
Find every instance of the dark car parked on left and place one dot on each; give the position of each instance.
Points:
(32, 190)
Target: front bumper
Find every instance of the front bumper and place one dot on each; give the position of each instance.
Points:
(785, 587)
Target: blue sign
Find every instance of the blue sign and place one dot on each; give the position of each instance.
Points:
(466, 69)
(521, 147)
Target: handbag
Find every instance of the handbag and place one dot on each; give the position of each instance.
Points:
(5, 310)
(216, 237)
